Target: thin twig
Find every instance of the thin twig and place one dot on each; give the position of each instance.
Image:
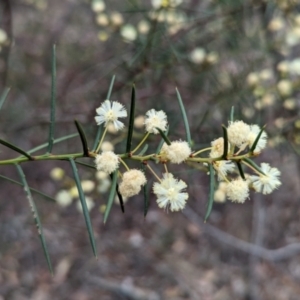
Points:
(258, 222)
(249, 248)
(127, 290)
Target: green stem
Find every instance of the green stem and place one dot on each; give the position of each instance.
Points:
(152, 171)
(141, 143)
(41, 157)
(252, 168)
(142, 158)
(101, 141)
(198, 159)
(124, 164)
(200, 151)
(238, 157)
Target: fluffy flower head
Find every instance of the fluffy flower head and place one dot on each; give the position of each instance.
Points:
(57, 173)
(107, 162)
(220, 193)
(129, 33)
(63, 198)
(177, 152)
(103, 186)
(116, 18)
(87, 185)
(155, 119)
(254, 131)
(107, 146)
(197, 56)
(217, 147)
(237, 190)
(169, 192)
(132, 182)
(223, 167)
(109, 112)
(266, 183)
(139, 121)
(98, 6)
(238, 132)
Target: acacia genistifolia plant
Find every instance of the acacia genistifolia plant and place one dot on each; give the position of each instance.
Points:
(229, 160)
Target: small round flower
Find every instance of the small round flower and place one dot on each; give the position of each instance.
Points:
(266, 183)
(107, 162)
(285, 87)
(212, 58)
(155, 119)
(238, 132)
(73, 191)
(129, 33)
(143, 27)
(220, 193)
(139, 121)
(109, 112)
(132, 182)
(107, 146)
(98, 5)
(177, 152)
(89, 203)
(116, 18)
(294, 66)
(223, 167)
(117, 200)
(268, 99)
(289, 104)
(283, 66)
(165, 3)
(237, 190)
(252, 79)
(102, 19)
(169, 192)
(217, 148)
(276, 24)
(63, 198)
(197, 56)
(111, 128)
(87, 185)
(100, 175)
(261, 144)
(266, 74)
(3, 36)
(280, 122)
(102, 36)
(57, 173)
(103, 185)
(248, 112)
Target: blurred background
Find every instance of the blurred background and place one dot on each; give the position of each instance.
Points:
(219, 54)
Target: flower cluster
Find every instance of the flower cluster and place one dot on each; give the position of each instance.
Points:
(243, 135)
(228, 161)
(236, 189)
(163, 11)
(169, 191)
(65, 196)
